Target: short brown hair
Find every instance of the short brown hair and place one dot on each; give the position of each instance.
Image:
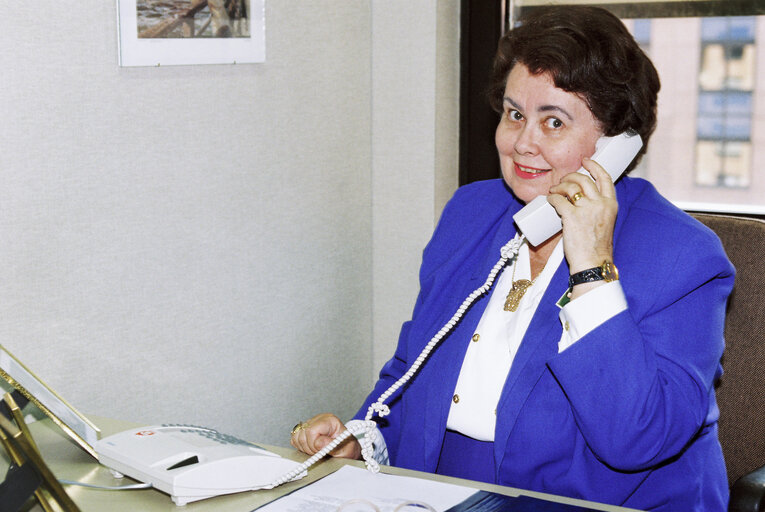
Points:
(589, 52)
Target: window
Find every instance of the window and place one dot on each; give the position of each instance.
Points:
(708, 151)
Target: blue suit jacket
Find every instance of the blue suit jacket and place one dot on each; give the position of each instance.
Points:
(627, 415)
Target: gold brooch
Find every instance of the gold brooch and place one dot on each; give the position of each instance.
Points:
(517, 291)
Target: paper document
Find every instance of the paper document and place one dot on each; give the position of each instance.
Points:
(353, 489)
(386, 492)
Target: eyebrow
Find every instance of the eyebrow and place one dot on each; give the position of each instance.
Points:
(543, 108)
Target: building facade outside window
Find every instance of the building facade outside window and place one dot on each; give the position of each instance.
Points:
(708, 151)
(726, 85)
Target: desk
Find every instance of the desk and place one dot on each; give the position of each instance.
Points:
(68, 461)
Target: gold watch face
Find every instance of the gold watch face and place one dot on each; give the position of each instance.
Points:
(609, 271)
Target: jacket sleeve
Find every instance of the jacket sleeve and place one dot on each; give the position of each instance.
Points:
(641, 384)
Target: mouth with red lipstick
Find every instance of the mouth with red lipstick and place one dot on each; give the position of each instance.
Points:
(528, 173)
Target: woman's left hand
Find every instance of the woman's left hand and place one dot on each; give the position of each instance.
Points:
(588, 213)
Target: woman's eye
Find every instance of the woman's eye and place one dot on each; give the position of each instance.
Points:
(514, 115)
(553, 122)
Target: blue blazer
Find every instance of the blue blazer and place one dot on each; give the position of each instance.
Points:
(625, 416)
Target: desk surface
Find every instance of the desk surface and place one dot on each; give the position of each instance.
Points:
(68, 461)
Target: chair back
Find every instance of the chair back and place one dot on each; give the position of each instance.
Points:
(741, 390)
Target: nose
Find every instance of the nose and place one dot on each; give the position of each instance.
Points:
(526, 142)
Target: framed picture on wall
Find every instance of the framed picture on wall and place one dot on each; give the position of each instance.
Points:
(178, 32)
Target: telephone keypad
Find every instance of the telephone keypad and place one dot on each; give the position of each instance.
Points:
(209, 433)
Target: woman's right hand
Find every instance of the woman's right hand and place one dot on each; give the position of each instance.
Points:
(313, 435)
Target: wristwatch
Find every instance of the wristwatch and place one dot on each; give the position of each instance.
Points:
(607, 272)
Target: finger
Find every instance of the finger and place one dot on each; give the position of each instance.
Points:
(571, 192)
(602, 179)
(561, 204)
(306, 439)
(314, 434)
(319, 442)
(348, 449)
(582, 182)
(339, 450)
(301, 442)
(566, 188)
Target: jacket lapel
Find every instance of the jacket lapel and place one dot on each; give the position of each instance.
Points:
(539, 345)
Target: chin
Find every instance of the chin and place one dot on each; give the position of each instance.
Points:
(523, 193)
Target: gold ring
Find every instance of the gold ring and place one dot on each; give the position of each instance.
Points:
(576, 197)
(300, 426)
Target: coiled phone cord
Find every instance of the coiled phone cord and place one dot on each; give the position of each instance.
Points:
(367, 427)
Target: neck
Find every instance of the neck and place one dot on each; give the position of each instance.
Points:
(538, 255)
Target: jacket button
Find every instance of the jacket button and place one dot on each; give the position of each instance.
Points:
(456, 399)
(476, 337)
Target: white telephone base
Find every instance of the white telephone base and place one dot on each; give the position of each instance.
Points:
(192, 463)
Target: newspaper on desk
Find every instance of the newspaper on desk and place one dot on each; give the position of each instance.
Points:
(353, 489)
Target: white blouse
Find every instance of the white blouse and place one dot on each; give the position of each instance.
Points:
(498, 335)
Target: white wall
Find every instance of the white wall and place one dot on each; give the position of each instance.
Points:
(203, 243)
(415, 125)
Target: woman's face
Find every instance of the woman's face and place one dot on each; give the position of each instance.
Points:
(543, 135)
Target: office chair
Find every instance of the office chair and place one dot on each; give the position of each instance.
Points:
(741, 390)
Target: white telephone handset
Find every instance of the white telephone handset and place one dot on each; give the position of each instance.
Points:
(538, 220)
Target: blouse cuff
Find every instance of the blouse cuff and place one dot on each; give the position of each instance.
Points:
(587, 312)
(380, 449)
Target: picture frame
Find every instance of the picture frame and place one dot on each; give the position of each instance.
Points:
(190, 32)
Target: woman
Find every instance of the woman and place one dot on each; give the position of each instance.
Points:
(595, 389)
